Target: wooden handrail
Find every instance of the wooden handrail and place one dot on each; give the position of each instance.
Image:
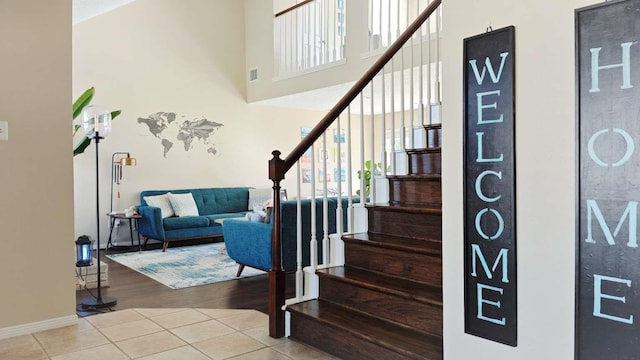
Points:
(328, 119)
(290, 9)
(278, 168)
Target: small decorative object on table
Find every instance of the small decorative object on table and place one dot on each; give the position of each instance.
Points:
(131, 216)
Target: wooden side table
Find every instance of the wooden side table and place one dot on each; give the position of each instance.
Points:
(130, 219)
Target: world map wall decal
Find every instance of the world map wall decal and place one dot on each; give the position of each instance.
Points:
(170, 127)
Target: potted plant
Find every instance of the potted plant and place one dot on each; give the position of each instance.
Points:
(368, 173)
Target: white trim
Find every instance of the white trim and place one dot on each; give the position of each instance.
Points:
(29, 328)
(310, 70)
(379, 51)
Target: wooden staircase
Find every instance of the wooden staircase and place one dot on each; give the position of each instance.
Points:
(386, 301)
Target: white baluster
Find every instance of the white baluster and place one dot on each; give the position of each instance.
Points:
(311, 279)
(337, 245)
(350, 216)
(325, 204)
(299, 272)
(372, 182)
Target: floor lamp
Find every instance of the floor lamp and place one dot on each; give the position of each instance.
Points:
(96, 122)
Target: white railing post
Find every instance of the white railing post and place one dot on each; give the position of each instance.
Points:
(325, 204)
(311, 279)
(299, 271)
(336, 243)
(350, 215)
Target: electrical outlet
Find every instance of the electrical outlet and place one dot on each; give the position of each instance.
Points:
(4, 130)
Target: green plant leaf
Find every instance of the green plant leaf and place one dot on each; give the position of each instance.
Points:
(115, 113)
(82, 145)
(83, 101)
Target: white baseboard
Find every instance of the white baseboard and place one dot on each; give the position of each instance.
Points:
(29, 328)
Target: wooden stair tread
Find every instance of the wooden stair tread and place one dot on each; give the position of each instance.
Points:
(415, 209)
(428, 150)
(415, 245)
(420, 177)
(412, 290)
(408, 342)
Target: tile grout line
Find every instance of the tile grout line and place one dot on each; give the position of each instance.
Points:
(257, 336)
(111, 342)
(40, 345)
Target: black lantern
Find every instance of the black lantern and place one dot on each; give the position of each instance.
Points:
(83, 251)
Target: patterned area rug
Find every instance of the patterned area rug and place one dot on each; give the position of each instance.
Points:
(185, 266)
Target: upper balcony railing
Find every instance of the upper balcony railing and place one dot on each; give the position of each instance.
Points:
(309, 35)
(389, 18)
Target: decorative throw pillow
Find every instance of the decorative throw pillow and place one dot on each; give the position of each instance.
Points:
(162, 202)
(267, 216)
(257, 197)
(255, 216)
(183, 204)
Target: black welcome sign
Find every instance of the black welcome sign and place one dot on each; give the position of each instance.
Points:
(608, 121)
(489, 189)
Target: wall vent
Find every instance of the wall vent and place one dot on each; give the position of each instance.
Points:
(253, 74)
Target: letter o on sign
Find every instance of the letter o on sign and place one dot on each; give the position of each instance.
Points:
(479, 226)
(627, 138)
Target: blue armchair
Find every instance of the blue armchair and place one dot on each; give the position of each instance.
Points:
(249, 243)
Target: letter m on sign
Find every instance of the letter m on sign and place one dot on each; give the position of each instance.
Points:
(502, 256)
(630, 213)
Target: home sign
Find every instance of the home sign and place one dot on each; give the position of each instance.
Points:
(608, 176)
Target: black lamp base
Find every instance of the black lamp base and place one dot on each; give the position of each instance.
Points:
(103, 302)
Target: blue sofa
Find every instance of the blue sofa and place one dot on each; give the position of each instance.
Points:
(249, 243)
(212, 203)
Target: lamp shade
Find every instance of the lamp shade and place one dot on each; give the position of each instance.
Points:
(83, 251)
(96, 118)
(128, 161)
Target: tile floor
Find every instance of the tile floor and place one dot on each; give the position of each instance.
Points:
(160, 334)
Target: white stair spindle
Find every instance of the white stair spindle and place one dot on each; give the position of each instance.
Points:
(372, 183)
(325, 204)
(393, 118)
(362, 189)
(349, 171)
(299, 272)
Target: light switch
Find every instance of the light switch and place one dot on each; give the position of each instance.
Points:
(4, 130)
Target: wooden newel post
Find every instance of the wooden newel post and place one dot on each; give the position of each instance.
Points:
(276, 274)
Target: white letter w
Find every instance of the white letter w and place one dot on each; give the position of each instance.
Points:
(494, 78)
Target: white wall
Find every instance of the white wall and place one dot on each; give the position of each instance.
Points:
(545, 143)
(186, 57)
(36, 197)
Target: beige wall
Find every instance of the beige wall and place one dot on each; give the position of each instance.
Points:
(188, 58)
(545, 146)
(36, 197)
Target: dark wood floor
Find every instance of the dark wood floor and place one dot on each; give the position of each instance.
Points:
(134, 290)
